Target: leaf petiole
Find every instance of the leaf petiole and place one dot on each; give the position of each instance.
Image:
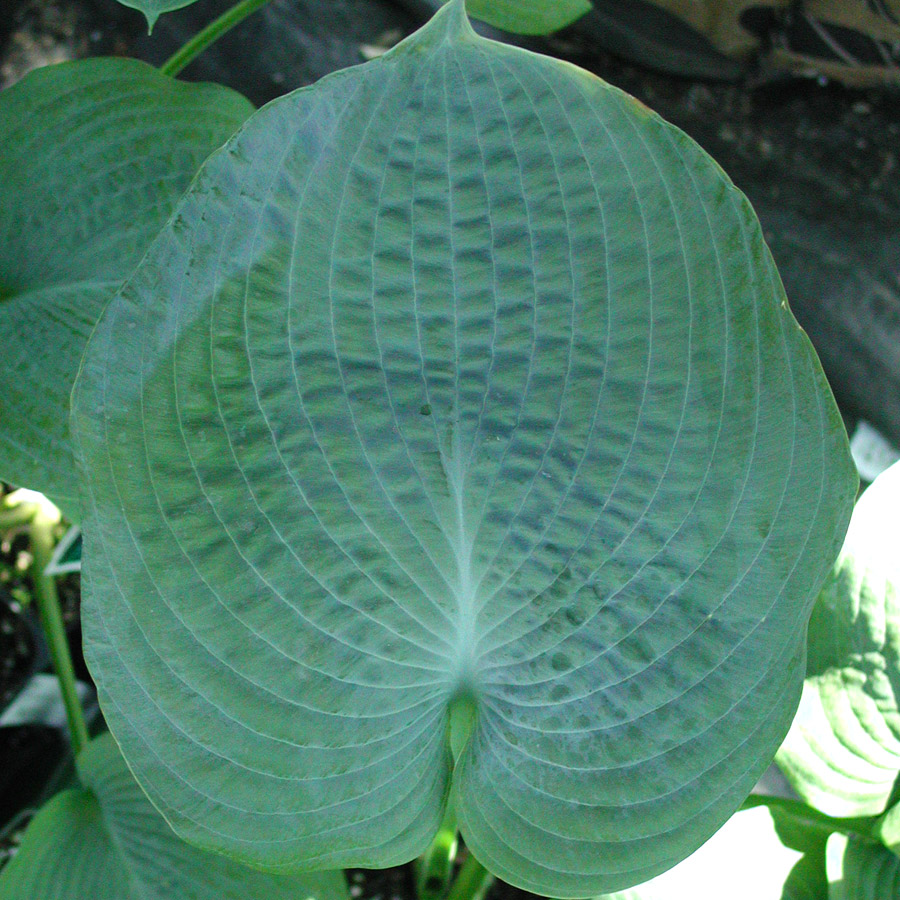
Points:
(863, 828)
(47, 600)
(473, 881)
(209, 35)
(435, 865)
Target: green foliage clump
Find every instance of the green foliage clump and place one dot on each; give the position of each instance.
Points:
(448, 459)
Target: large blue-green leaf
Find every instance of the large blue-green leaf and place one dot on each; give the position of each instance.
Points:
(93, 157)
(745, 860)
(842, 753)
(458, 379)
(104, 841)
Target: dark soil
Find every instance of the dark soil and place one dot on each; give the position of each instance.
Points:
(398, 883)
(18, 636)
(31, 755)
(17, 650)
(11, 836)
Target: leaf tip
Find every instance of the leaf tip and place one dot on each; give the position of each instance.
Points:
(449, 24)
(151, 18)
(453, 19)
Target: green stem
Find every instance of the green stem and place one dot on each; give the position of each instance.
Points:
(16, 516)
(797, 809)
(47, 600)
(435, 866)
(473, 881)
(197, 44)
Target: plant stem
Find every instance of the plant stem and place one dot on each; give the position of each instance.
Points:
(47, 600)
(209, 35)
(16, 516)
(858, 827)
(435, 866)
(473, 881)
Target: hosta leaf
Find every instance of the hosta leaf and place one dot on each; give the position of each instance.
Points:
(93, 157)
(888, 829)
(745, 860)
(104, 841)
(528, 16)
(457, 380)
(843, 751)
(860, 870)
(806, 881)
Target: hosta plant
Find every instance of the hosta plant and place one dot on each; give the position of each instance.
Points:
(448, 460)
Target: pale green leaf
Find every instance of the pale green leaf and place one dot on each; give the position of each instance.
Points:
(888, 829)
(458, 378)
(860, 870)
(104, 841)
(806, 880)
(745, 860)
(528, 16)
(842, 754)
(93, 157)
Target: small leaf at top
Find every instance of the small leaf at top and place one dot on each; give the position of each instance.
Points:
(528, 16)
(104, 841)
(600, 547)
(842, 753)
(153, 9)
(93, 156)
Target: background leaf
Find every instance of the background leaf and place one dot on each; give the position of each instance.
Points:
(458, 377)
(842, 754)
(528, 16)
(104, 841)
(860, 870)
(888, 829)
(93, 157)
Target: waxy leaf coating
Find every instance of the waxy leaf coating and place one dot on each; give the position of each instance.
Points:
(104, 841)
(458, 378)
(93, 157)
